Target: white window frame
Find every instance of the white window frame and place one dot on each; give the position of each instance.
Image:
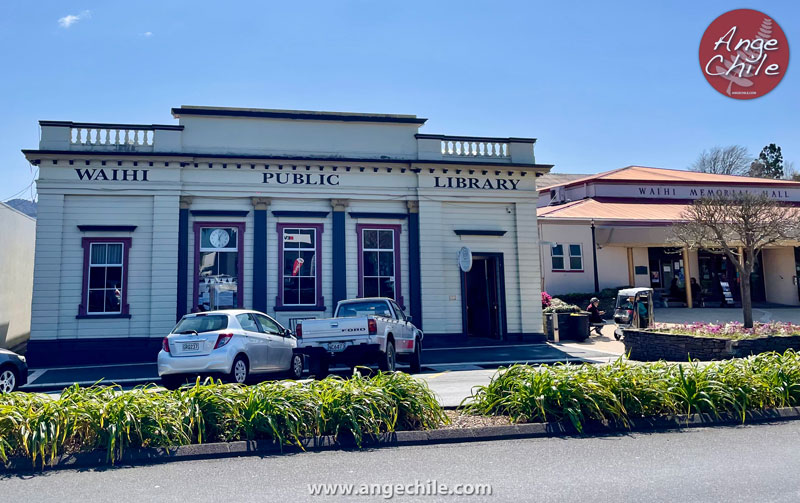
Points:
(566, 256)
(89, 288)
(301, 248)
(378, 249)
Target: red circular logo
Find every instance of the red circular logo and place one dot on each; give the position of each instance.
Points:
(744, 54)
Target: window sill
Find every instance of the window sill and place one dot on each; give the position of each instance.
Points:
(279, 309)
(567, 270)
(102, 316)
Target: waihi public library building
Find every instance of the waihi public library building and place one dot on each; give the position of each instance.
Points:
(285, 212)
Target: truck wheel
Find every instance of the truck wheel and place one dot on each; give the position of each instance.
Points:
(319, 367)
(388, 360)
(416, 358)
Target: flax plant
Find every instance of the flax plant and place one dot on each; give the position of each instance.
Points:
(621, 390)
(42, 427)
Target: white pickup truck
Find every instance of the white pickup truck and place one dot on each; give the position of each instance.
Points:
(362, 332)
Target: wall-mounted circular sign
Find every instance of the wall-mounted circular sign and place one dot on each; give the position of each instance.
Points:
(744, 54)
(465, 259)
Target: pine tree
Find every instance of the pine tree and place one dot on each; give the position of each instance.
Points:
(769, 163)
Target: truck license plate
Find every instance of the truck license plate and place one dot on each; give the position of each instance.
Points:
(191, 346)
(336, 346)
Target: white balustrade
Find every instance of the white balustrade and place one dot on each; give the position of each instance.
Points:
(113, 137)
(475, 148)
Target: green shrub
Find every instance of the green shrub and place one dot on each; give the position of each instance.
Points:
(41, 427)
(621, 391)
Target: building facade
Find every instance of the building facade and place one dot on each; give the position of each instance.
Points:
(17, 238)
(612, 229)
(286, 212)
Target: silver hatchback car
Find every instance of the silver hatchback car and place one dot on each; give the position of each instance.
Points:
(234, 343)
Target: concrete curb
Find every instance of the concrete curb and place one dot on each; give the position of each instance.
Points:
(136, 457)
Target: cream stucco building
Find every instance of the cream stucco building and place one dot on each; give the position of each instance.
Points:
(17, 237)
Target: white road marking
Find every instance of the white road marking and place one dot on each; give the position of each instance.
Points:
(437, 366)
(36, 374)
(110, 365)
(105, 382)
(483, 347)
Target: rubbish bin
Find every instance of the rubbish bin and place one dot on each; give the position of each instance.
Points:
(578, 327)
(571, 326)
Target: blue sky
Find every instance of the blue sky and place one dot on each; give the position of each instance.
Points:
(600, 85)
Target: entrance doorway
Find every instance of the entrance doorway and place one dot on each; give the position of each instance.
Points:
(483, 297)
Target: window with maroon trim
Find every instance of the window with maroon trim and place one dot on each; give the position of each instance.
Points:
(379, 261)
(300, 265)
(218, 265)
(105, 277)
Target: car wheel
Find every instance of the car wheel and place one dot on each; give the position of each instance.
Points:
(388, 360)
(239, 370)
(8, 380)
(416, 358)
(319, 366)
(296, 367)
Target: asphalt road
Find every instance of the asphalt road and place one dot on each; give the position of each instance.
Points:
(731, 464)
(434, 360)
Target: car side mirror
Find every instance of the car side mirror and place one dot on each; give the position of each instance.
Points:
(409, 318)
(287, 332)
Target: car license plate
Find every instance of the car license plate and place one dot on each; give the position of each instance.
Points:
(191, 346)
(336, 346)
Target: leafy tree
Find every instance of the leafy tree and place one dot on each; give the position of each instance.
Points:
(738, 225)
(731, 160)
(769, 163)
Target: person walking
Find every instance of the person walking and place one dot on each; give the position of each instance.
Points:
(596, 315)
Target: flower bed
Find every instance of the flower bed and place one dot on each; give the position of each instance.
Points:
(731, 330)
(622, 391)
(41, 428)
(708, 341)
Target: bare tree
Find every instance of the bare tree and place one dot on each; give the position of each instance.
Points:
(732, 160)
(790, 172)
(739, 225)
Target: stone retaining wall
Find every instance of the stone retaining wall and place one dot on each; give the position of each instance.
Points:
(644, 345)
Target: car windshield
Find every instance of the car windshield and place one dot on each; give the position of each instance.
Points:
(366, 308)
(201, 323)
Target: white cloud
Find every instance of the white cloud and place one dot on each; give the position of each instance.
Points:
(70, 19)
(147, 34)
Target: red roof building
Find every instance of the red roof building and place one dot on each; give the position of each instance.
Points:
(612, 229)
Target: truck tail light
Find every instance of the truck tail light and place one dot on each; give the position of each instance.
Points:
(298, 331)
(165, 345)
(372, 326)
(222, 339)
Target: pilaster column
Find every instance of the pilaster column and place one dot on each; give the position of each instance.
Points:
(183, 257)
(260, 206)
(687, 277)
(339, 252)
(414, 276)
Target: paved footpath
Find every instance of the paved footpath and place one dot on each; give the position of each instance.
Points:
(731, 464)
